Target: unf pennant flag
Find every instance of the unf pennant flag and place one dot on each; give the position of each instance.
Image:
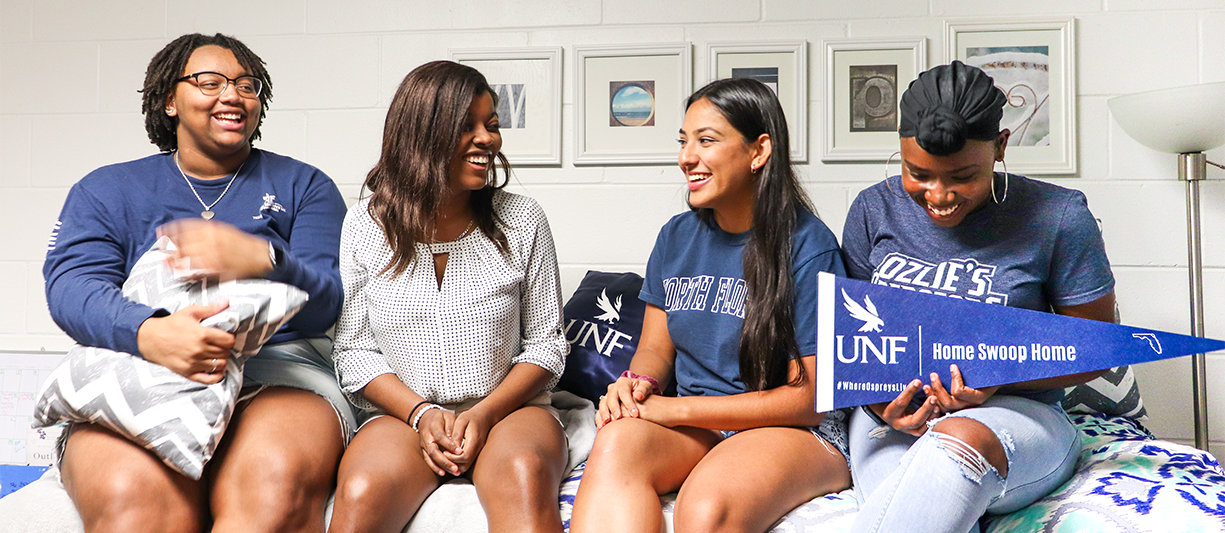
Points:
(872, 340)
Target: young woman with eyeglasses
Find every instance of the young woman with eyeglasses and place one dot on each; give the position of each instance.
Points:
(237, 212)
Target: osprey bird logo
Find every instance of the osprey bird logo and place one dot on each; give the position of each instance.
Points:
(612, 312)
(1152, 341)
(866, 312)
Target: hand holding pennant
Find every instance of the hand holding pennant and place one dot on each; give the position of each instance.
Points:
(873, 340)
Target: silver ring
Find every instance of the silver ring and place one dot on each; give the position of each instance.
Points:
(602, 398)
(214, 370)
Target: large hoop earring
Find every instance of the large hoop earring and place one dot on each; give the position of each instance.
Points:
(993, 197)
(887, 176)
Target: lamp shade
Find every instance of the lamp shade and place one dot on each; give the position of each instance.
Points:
(1177, 121)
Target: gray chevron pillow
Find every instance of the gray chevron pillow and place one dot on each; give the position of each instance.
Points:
(1115, 393)
(178, 419)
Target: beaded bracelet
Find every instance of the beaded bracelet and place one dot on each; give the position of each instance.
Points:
(424, 410)
(654, 384)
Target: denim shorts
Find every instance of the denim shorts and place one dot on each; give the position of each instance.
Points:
(832, 430)
(304, 364)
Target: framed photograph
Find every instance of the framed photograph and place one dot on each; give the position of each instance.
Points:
(630, 102)
(782, 66)
(1034, 62)
(864, 82)
(528, 84)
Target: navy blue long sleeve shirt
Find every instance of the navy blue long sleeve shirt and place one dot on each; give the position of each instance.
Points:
(111, 218)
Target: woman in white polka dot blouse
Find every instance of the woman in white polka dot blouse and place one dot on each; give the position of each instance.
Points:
(451, 325)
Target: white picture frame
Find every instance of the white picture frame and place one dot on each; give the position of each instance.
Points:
(864, 82)
(647, 84)
(1044, 137)
(785, 63)
(529, 84)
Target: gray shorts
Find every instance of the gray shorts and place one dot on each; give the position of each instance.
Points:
(304, 364)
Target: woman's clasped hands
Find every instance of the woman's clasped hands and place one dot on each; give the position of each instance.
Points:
(632, 397)
(450, 443)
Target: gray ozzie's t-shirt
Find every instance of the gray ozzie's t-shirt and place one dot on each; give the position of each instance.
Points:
(1039, 248)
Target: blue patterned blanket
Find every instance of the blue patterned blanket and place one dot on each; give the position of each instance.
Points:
(1125, 481)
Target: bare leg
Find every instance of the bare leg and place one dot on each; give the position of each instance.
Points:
(518, 473)
(632, 463)
(383, 479)
(979, 437)
(276, 466)
(752, 479)
(119, 486)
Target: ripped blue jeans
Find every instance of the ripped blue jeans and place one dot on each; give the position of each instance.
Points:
(936, 483)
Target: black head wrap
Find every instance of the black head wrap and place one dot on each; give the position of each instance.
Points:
(948, 104)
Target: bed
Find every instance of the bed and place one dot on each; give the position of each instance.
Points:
(1125, 481)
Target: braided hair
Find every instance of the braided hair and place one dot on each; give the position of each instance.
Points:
(164, 71)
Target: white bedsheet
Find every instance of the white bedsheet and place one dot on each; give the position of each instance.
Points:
(44, 506)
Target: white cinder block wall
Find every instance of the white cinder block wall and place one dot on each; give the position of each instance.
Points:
(69, 71)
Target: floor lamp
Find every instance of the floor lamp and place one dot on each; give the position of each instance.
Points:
(1186, 121)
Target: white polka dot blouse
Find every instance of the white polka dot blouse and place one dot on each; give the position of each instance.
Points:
(458, 341)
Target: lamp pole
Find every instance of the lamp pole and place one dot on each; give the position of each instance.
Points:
(1193, 168)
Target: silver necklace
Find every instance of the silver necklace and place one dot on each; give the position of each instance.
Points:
(430, 246)
(207, 214)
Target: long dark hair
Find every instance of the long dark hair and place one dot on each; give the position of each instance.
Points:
(767, 338)
(948, 104)
(420, 139)
(166, 68)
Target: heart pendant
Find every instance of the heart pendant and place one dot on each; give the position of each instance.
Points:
(206, 215)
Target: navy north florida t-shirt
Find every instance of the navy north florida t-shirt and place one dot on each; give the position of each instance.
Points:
(696, 275)
(1039, 248)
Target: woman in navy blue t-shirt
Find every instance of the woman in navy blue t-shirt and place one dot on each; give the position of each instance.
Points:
(731, 304)
(989, 237)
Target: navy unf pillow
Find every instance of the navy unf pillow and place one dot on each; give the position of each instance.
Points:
(602, 324)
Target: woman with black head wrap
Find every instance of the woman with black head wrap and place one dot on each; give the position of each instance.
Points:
(951, 225)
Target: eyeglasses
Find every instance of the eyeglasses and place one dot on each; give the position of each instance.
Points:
(213, 84)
